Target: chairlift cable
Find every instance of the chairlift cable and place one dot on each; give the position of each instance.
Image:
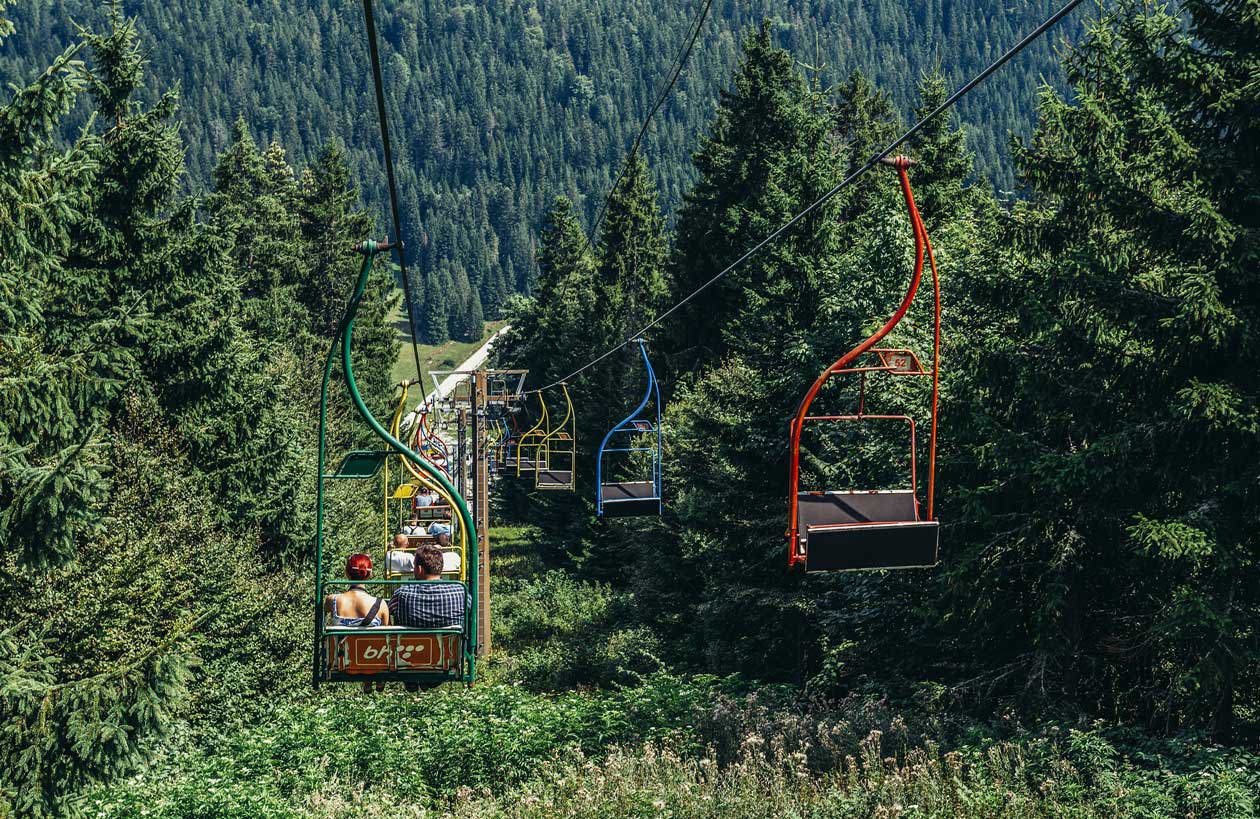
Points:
(370, 21)
(679, 63)
(966, 88)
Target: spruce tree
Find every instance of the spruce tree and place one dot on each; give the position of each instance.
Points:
(68, 721)
(632, 249)
(330, 213)
(1112, 545)
(52, 472)
(944, 163)
(545, 328)
(133, 338)
(769, 153)
(864, 119)
(567, 312)
(474, 317)
(752, 342)
(435, 321)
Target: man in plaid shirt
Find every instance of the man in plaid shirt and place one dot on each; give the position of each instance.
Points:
(429, 605)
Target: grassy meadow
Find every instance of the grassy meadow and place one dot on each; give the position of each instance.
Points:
(445, 356)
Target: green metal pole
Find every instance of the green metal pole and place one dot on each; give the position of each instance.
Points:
(370, 249)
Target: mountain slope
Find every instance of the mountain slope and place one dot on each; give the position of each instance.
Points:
(499, 107)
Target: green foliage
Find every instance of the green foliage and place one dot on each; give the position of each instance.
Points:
(51, 472)
(631, 254)
(559, 632)
(496, 109)
(769, 153)
(154, 420)
(60, 737)
(674, 746)
(427, 748)
(1118, 365)
(545, 328)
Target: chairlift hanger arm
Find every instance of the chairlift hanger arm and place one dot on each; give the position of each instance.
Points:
(626, 424)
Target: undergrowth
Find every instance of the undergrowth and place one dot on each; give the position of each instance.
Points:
(671, 746)
(574, 717)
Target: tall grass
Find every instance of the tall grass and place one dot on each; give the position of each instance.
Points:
(676, 747)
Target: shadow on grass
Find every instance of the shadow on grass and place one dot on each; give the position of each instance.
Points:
(515, 554)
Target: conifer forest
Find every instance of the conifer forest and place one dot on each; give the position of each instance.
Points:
(855, 409)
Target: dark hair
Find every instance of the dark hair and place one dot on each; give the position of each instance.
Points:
(428, 560)
(358, 567)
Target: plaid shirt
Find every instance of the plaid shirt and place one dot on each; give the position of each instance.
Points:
(432, 604)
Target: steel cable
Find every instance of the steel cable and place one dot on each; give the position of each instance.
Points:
(370, 21)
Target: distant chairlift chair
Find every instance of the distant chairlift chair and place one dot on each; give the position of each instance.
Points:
(529, 445)
(634, 498)
(558, 453)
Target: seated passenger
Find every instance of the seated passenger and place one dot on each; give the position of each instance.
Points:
(355, 606)
(402, 557)
(441, 532)
(429, 605)
(425, 498)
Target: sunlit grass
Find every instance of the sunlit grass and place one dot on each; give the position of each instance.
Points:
(432, 356)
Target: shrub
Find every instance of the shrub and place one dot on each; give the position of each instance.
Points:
(559, 633)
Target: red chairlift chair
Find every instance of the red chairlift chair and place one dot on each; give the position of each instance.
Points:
(841, 530)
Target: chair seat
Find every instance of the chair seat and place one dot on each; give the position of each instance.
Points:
(360, 464)
(830, 508)
(555, 479)
(844, 531)
(621, 500)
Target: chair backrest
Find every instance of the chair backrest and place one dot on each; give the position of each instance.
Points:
(382, 650)
(843, 508)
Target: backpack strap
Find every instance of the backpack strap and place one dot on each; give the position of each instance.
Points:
(371, 615)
